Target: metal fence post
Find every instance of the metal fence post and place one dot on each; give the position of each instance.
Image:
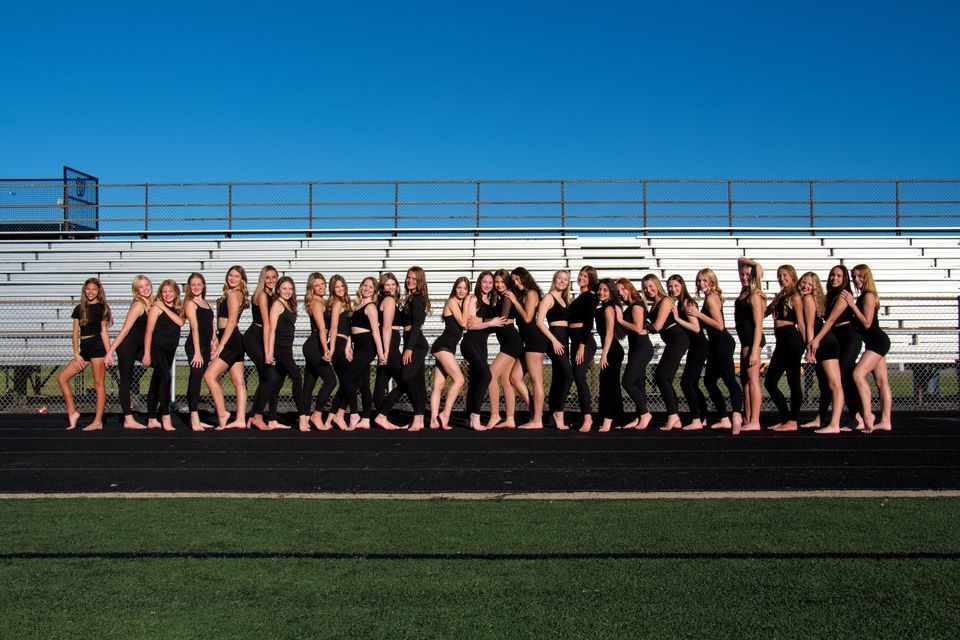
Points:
(146, 210)
(310, 208)
(730, 206)
(812, 231)
(396, 207)
(563, 209)
(230, 208)
(476, 231)
(644, 207)
(898, 208)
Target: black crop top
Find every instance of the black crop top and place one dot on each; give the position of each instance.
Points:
(558, 312)
(782, 312)
(846, 315)
(668, 323)
(359, 319)
(223, 309)
(628, 314)
(94, 319)
(415, 310)
(582, 308)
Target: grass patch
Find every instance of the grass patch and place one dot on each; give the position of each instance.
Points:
(506, 598)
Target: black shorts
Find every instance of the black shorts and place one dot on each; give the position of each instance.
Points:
(232, 352)
(92, 347)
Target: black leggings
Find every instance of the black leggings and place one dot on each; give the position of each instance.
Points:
(129, 353)
(413, 378)
(161, 361)
(382, 401)
(584, 396)
(316, 368)
(610, 404)
(850, 345)
(690, 378)
(253, 346)
(474, 350)
(357, 376)
(561, 373)
(340, 366)
(283, 366)
(196, 374)
(676, 343)
(786, 359)
(720, 367)
(634, 380)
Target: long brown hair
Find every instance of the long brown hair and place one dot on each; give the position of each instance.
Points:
(177, 306)
(101, 299)
(244, 292)
(421, 278)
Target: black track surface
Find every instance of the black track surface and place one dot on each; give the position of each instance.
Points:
(38, 455)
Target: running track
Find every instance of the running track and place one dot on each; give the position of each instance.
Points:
(38, 455)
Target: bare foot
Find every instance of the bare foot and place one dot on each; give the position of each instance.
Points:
(509, 423)
(606, 425)
(645, 421)
(363, 424)
(153, 423)
(882, 426)
(354, 421)
(673, 422)
(493, 421)
(129, 422)
(746, 426)
(434, 422)
(813, 424)
(93, 426)
(695, 425)
(304, 425)
(339, 423)
(317, 421)
(531, 425)
(587, 424)
(196, 425)
(236, 424)
(382, 422)
(775, 427)
(167, 423)
(273, 424)
(328, 423)
(72, 421)
(445, 422)
(789, 425)
(632, 424)
(222, 421)
(256, 422)
(737, 420)
(724, 423)
(417, 424)
(558, 421)
(829, 429)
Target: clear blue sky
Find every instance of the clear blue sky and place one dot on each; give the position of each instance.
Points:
(172, 91)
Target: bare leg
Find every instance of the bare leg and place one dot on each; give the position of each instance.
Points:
(212, 377)
(99, 374)
(236, 376)
(535, 369)
(69, 370)
(868, 361)
(450, 365)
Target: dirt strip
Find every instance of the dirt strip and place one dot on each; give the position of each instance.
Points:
(573, 495)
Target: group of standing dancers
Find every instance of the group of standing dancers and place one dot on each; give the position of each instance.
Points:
(382, 326)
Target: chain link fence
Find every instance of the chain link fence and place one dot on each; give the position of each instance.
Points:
(35, 342)
(297, 208)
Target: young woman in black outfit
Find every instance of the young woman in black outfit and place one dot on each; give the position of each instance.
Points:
(91, 345)
(876, 345)
(363, 347)
(721, 346)
(610, 404)
(339, 308)
(640, 352)
(391, 324)
(159, 348)
(841, 323)
(501, 369)
(129, 345)
(228, 354)
(583, 346)
(525, 295)
(663, 321)
(827, 358)
(199, 344)
(683, 309)
(444, 351)
(748, 312)
(315, 350)
(553, 319)
(279, 353)
(789, 328)
(482, 318)
(416, 305)
(255, 341)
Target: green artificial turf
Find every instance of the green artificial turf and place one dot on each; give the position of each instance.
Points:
(416, 597)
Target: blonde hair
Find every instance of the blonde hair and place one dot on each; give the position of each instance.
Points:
(650, 277)
(262, 280)
(135, 287)
(176, 306)
(309, 295)
(819, 299)
(713, 286)
(244, 292)
(869, 284)
(553, 285)
(360, 288)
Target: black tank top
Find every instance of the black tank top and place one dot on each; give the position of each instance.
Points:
(204, 326)
(223, 310)
(485, 312)
(286, 328)
(668, 323)
(783, 312)
(359, 320)
(832, 299)
(712, 332)
(257, 316)
(166, 333)
(139, 328)
(558, 312)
